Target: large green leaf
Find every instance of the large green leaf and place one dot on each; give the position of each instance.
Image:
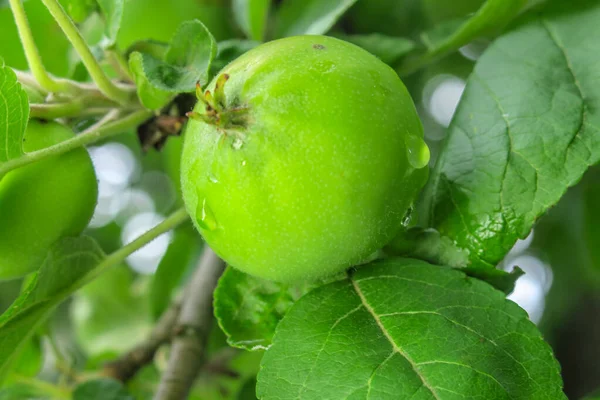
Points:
(402, 328)
(525, 130)
(251, 16)
(14, 113)
(229, 50)
(309, 17)
(64, 271)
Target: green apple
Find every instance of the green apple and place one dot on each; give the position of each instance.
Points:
(43, 202)
(302, 158)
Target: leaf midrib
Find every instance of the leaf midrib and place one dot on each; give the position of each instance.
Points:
(395, 347)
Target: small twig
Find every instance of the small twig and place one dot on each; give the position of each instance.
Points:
(73, 107)
(34, 60)
(119, 94)
(113, 128)
(55, 110)
(171, 222)
(192, 328)
(125, 367)
(111, 115)
(82, 88)
(27, 79)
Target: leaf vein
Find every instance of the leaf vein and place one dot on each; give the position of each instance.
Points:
(395, 346)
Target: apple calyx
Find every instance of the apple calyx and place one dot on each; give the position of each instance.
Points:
(216, 111)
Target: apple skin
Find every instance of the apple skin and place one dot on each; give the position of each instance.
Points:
(318, 174)
(43, 202)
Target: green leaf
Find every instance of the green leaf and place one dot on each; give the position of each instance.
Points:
(251, 16)
(183, 251)
(30, 358)
(187, 61)
(309, 17)
(387, 48)
(29, 390)
(402, 328)
(525, 130)
(493, 15)
(248, 308)
(101, 389)
(499, 279)
(112, 11)
(434, 38)
(152, 47)
(388, 17)
(79, 10)
(248, 391)
(192, 47)
(14, 114)
(148, 74)
(438, 11)
(451, 35)
(591, 220)
(229, 50)
(428, 245)
(63, 271)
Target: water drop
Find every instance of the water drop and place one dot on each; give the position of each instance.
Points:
(417, 151)
(212, 178)
(237, 144)
(204, 215)
(407, 217)
(244, 163)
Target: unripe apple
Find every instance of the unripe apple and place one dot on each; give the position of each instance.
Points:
(302, 158)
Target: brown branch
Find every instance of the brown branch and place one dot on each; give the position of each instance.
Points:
(191, 329)
(125, 367)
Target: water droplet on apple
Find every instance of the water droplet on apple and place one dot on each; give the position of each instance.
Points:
(237, 144)
(417, 151)
(407, 217)
(205, 216)
(212, 178)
